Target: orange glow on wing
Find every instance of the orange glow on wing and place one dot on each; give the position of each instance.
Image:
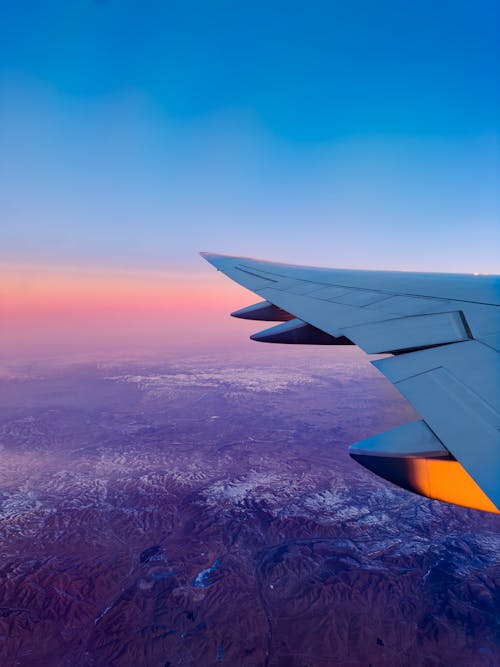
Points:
(445, 479)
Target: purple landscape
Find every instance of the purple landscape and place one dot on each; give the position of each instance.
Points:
(205, 511)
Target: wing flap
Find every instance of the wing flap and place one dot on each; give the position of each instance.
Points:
(407, 333)
(471, 362)
(467, 425)
(455, 389)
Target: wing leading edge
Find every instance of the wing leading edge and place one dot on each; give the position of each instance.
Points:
(444, 333)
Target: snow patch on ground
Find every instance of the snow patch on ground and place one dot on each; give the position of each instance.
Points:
(235, 377)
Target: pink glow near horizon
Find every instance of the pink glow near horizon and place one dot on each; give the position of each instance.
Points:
(47, 312)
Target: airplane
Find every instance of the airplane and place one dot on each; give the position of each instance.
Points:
(442, 332)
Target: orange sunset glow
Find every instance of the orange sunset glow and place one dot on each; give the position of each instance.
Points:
(48, 311)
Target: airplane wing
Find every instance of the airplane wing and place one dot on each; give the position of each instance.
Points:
(443, 332)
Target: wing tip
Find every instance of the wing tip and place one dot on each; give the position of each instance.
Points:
(212, 258)
(219, 259)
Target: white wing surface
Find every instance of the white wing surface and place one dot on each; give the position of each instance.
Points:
(443, 331)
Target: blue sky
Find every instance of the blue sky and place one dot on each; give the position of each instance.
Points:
(357, 134)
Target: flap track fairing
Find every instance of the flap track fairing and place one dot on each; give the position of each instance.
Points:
(297, 332)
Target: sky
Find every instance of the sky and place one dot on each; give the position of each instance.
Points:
(134, 134)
